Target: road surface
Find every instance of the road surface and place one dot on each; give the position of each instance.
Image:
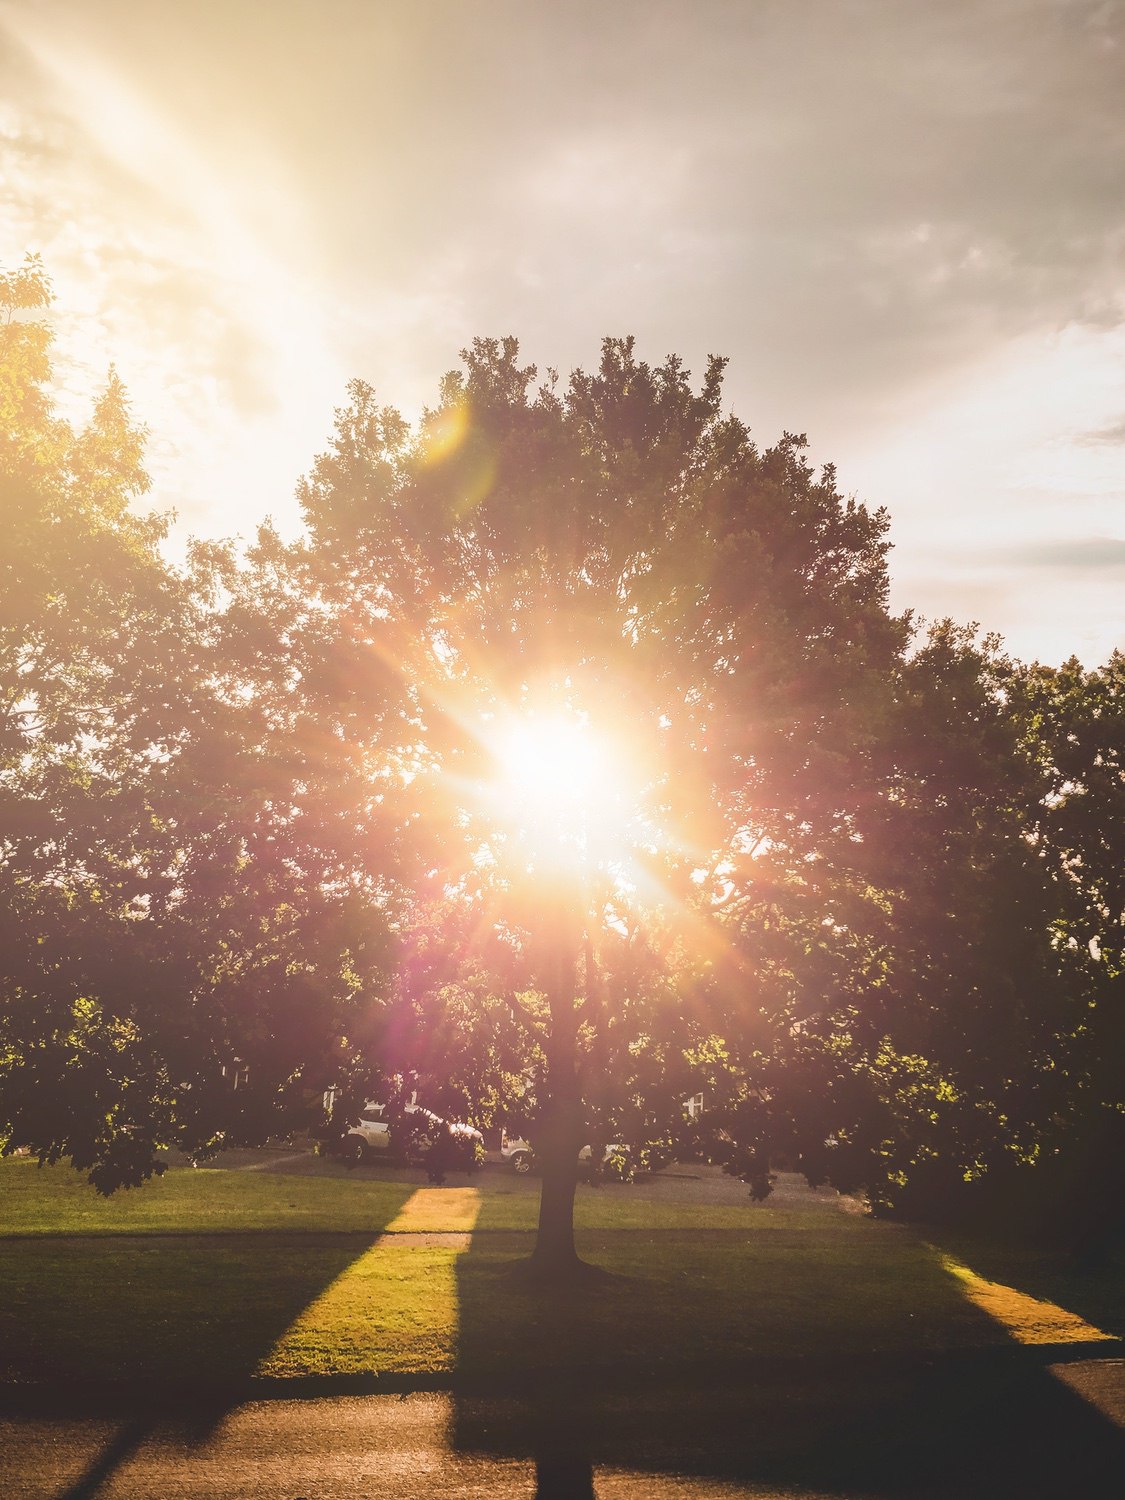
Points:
(1001, 1429)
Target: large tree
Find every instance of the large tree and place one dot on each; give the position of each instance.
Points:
(1073, 723)
(584, 718)
(86, 684)
(609, 563)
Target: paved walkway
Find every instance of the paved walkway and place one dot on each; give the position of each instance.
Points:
(1002, 1433)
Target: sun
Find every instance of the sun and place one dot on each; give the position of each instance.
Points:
(563, 790)
(556, 758)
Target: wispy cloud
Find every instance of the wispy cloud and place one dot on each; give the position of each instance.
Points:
(1095, 553)
(903, 223)
(1111, 435)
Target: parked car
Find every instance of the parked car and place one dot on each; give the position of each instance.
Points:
(516, 1152)
(372, 1133)
(519, 1155)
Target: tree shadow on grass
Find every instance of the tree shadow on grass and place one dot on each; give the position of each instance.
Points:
(162, 1323)
(185, 1315)
(670, 1372)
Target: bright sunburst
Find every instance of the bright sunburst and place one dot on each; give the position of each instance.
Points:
(556, 759)
(565, 791)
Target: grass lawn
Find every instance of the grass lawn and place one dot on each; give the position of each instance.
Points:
(214, 1275)
(205, 1200)
(213, 1200)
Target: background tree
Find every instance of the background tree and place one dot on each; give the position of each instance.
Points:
(86, 685)
(192, 903)
(944, 1018)
(1073, 722)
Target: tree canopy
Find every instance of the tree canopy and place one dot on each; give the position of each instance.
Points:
(614, 558)
(181, 940)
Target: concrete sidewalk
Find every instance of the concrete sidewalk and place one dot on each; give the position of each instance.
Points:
(949, 1431)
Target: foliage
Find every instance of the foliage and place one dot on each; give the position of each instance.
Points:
(448, 1152)
(944, 1029)
(619, 550)
(186, 922)
(1074, 724)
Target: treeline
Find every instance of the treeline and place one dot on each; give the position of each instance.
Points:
(874, 911)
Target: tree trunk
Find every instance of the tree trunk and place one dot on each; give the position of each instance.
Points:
(560, 1126)
(554, 1255)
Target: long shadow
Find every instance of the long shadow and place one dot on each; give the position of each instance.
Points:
(985, 1434)
(168, 1321)
(608, 1393)
(617, 1383)
(121, 1447)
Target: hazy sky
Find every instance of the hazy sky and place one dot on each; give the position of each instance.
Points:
(902, 220)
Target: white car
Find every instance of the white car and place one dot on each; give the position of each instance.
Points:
(372, 1132)
(518, 1153)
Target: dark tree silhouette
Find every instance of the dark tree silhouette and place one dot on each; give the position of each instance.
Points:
(619, 553)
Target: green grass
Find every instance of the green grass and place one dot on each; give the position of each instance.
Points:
(210, 1200)
(183, 1311)
(56, 1200)
(215, 1276)
(823, 1292)
(1093, 1292)
(150, 1309)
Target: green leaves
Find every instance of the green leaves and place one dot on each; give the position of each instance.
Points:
(191, 880)
(616, 545)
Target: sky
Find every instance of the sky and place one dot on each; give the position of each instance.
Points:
(903, 222)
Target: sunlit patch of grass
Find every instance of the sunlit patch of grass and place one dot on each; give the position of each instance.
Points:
(1029, 1320)
(442, 1210)
(395, 1308)
(1094, 1289)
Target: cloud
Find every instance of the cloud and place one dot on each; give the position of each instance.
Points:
(851, 199)
(1095, 553)
(855, 201)
(1112, 435)
(903, 223)
(169, 263)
